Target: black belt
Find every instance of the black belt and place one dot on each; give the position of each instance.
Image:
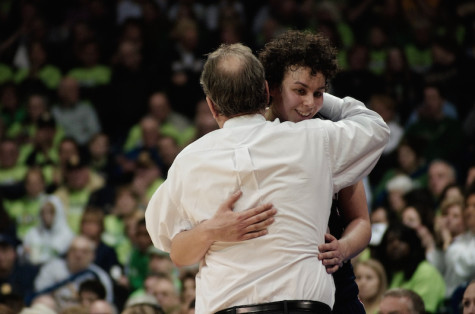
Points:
(280, 306)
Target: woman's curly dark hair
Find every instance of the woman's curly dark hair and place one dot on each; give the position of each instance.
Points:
(298, 48)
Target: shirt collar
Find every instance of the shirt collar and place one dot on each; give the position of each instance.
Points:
(249, 119)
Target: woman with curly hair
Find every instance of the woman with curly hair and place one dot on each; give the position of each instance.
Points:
(299, 67)
(292, 61)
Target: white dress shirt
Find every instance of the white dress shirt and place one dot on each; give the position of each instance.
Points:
(295, 166)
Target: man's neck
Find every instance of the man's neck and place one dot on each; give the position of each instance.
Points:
(221, 119)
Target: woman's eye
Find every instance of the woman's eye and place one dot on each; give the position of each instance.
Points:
(318, 94)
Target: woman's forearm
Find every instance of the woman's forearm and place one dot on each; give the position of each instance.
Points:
(355, 238)
(357, 234)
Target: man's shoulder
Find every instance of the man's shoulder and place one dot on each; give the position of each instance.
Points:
(218, 139)
(201, 143)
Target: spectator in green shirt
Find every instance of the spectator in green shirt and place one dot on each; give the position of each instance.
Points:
(137, 267)
(403, 257)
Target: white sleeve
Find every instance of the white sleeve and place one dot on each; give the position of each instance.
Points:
(164, 216)
(356, 139)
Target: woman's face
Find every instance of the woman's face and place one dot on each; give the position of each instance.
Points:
(91, 228)
(395, 60)
(126, 203)
(378, 215)
(407, 158)
(396, 249)
(47, 213)
(189, 290)
(36, 106)
(454, 219)
(411, 218)
(35, 184)
(300, 95)
(367, 281)
(99, 146)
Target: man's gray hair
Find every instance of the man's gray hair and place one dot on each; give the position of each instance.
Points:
(234, 79)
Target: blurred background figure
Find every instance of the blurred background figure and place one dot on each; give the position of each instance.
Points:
(401, 301)
(78, 118)
(167, 295)
(403, 257)
(372, 283)
(90, 291)
(16, 276)
(26, 209)
(62, 276)
(79, 183)
(51, 236)
(102, 307)
(468, 301)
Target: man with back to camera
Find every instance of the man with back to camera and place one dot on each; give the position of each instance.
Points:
(292, 165)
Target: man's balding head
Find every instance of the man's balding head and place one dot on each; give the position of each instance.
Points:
(233, 79)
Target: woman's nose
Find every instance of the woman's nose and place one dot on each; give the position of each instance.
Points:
(309, 100)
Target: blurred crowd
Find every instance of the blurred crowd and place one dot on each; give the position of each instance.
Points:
(97, 97)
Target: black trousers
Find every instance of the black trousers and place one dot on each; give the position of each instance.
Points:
(281, 307)
(346, 294)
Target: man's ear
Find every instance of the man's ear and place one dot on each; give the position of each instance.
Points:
(267, 92)
(212, 107)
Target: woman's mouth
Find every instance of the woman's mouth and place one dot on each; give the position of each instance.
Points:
(305, 115)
